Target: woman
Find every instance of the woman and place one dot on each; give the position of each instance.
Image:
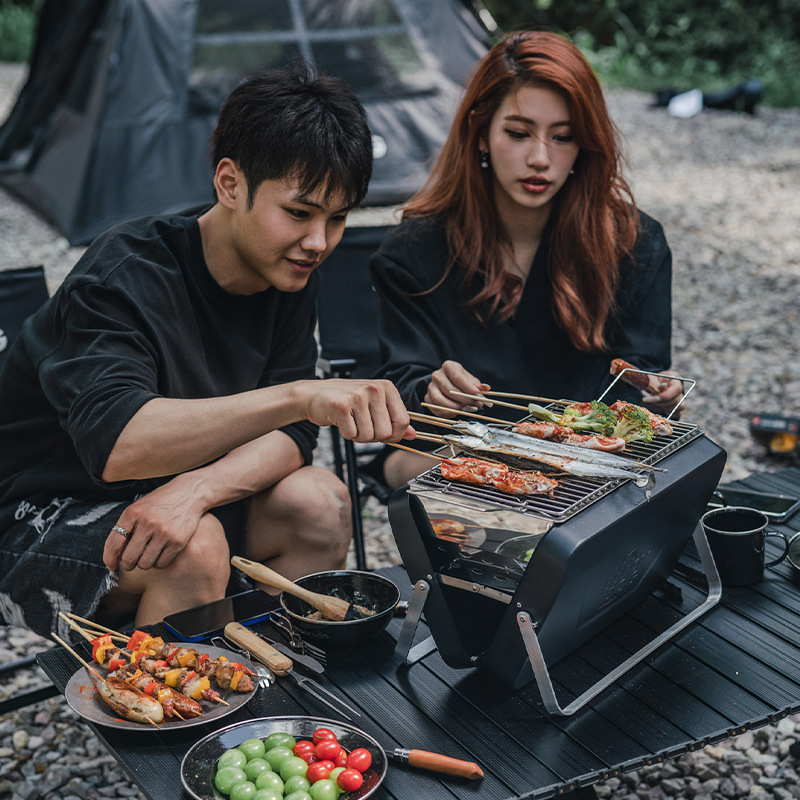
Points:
(523, 264)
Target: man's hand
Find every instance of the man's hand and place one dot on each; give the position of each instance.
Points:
(450, 377)
(159, 525)
(364, 411)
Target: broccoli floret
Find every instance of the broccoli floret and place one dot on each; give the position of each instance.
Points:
(634, 425)
(544, 414)
(598, 419)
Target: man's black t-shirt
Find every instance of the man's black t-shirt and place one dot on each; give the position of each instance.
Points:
(139, 317)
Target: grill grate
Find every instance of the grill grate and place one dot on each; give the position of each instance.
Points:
(573, 493)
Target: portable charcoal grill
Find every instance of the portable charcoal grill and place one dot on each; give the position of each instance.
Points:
(610, 544)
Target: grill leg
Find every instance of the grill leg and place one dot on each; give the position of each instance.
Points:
(404, 651)
(542, 675)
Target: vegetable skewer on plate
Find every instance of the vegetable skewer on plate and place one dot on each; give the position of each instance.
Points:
(194, 683)
(187, 681)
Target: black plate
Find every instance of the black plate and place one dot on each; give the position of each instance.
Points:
(199, 765)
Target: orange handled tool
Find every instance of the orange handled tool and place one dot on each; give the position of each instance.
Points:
(436, 762)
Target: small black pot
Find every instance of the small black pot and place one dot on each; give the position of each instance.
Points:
(366, 589)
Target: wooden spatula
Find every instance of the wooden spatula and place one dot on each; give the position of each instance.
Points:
(331, 608)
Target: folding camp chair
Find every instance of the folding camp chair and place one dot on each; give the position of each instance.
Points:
(22, 291)
(348, 323)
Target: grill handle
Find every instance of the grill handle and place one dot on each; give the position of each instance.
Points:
(542, 674)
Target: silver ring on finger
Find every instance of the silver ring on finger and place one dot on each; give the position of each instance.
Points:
(120, 530)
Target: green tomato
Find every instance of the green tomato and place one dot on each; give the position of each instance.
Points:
(301, 795)
(227, 777)
(277, 755)
(232, 758)
(243, 791)
(297, 783)
(279, 739)
(334, 775)
(323, 790)
(269, 780)
(252, 748)
(268, 794)
(255, 767)
(293, 766)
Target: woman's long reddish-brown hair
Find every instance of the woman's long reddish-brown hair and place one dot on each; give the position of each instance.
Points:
(594, 218)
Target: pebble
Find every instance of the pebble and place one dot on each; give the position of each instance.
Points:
(724, 186)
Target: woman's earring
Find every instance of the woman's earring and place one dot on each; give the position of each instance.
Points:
(484, 159)
(572, 172)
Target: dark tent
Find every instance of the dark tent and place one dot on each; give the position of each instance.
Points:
(122, 95)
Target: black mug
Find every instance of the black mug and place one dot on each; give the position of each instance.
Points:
(736, 536)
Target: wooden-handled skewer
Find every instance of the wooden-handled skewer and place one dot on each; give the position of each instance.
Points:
(481, 417)
(75, 627)
(493, 402)
(531, 397)
(77, 655)
(417, 452)
(430, 419)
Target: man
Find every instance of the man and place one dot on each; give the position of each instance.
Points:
(160, 411)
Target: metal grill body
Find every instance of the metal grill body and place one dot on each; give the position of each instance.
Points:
(611, 545)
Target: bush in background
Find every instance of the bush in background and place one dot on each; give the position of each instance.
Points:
(17, 29)
(683, 44)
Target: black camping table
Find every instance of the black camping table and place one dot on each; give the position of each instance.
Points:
(736, 668)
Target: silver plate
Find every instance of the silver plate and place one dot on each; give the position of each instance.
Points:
(199, 765)
(81, 696)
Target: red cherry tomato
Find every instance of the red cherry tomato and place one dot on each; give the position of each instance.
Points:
(341, 759)
(323, 733)
(304, 746)
(319, 770)
(308, 756)
(350, 779)
(328, 749)
(360, 759)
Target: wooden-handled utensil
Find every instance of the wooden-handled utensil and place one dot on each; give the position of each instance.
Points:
(258, 648)
(332, 608)
(436, 762)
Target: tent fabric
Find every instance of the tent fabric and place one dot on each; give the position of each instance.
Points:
(122, 95)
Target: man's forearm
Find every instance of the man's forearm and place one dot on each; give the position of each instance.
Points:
(247, 470)
(168, 436)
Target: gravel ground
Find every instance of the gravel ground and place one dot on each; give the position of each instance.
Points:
(725, 186)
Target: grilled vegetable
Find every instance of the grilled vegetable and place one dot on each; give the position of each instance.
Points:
(634, 425)
(594, 417)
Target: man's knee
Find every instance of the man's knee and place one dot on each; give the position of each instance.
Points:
(206, 558)
(314, 503)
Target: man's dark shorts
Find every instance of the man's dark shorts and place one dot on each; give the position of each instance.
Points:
(51, 558)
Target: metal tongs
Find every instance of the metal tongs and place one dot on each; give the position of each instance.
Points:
(281, 665)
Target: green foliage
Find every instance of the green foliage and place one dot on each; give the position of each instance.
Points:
(655, 44)
(17, 30)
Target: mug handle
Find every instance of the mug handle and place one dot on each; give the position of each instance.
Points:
(785, 547)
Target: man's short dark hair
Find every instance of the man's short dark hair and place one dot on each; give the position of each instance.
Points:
(299, 124)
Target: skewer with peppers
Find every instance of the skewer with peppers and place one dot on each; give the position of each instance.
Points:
(181, 668)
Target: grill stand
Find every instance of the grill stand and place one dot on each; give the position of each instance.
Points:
(410, 655)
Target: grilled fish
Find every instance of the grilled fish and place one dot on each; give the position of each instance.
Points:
(494, 436)
(478, 446)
